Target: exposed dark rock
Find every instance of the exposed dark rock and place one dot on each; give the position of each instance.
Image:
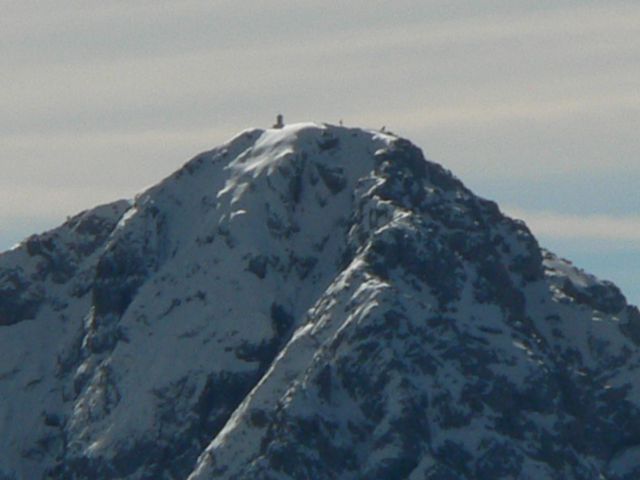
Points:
(19, 299)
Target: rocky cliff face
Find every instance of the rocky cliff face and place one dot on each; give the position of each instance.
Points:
(311, 302)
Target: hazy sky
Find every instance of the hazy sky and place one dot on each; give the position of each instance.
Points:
(533, 104)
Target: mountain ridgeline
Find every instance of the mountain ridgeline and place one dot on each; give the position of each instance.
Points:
(311, 302)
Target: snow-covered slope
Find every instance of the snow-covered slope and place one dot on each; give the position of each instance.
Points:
(311, 302)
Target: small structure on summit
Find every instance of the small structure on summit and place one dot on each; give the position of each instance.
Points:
(279, 121)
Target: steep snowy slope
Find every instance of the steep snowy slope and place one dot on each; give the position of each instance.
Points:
(311, 302)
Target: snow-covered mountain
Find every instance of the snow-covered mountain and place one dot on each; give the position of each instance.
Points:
(312, 302)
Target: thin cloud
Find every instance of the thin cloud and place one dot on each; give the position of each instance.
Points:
(477, 113)
(580, 227)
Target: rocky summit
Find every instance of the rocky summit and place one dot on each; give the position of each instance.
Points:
(311, 302)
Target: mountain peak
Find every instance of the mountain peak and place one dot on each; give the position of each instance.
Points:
(311, 301)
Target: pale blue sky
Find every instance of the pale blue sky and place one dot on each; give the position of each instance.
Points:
(533, 104)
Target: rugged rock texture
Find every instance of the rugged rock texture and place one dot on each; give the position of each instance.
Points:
(311, 302)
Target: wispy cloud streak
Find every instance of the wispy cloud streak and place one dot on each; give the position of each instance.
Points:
(580, 227)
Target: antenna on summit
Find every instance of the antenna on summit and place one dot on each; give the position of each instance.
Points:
(279, 121)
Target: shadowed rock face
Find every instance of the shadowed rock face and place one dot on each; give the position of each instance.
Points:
(311, 302)
(53, 257)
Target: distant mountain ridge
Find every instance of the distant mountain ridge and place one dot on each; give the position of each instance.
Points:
(312, 301)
